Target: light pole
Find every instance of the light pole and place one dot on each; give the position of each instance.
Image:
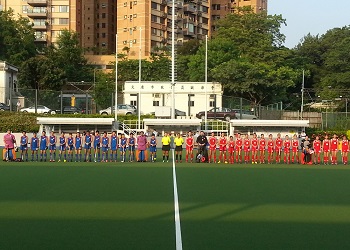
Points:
(116, 83)
(173, 59)
(140, 71)
(206, 82)
(302, 96)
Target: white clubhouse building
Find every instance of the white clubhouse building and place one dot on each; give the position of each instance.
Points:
(190, 97)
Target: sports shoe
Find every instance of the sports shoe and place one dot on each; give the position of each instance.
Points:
(226, 162)
(219, 162)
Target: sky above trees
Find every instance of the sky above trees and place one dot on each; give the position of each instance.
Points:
(309, 16)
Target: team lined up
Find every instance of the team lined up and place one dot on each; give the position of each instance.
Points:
(71, 148)
(232, 149)
(240, 148)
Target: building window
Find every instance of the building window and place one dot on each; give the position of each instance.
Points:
(63, 8)
(125, 16)
(103, 15)
(125, 4)
(154, 5)
(103, 25)
(154, 18)
(215, 6)
(154, 31)
(134, 103)
(211, 104)
(155, 103)
(63, 20)
(104, 35)
(191, 103)
(24, 8)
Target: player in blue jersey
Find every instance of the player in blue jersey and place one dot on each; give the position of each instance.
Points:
(114, 146)
(24, 146)
(78, 144)
(34, 146)
(43, 146)
(131, 144)
(52, 146)
(70, 147)
(97, 146)
(62, 148)
(105, 144)
(87, 146)
(122, 146)
(153, 148)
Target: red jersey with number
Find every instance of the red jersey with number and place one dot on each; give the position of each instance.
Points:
(231, 146)
(262, 144)
(334, 144)
(189, 142)
(345, 146)
(255, 144)
(239, 143)
(222, 143)
(270, 145)
(246, 145)
(286, 145)
(317, 146)
(279, 143)
(326, 145)
(212, 143)
(295, 146)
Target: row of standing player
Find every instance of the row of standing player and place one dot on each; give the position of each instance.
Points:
(255, 148)
(79, 144)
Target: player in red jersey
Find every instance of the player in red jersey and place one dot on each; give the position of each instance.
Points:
(212, 147)
(239, 144)
(222, 148)
(295, 149)
(286, 148)
(262, 147)
(345, 150)
(231, 149)
(255, 148)
(326, 144)
(246, 148)
(278, 144)
(189, 146)
(334, 149)
(270, 148)
(316, 144)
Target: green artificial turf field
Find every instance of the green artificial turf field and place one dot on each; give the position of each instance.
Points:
(131, 206)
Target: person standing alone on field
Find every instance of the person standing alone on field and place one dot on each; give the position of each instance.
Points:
(9, 141)
(142, 146)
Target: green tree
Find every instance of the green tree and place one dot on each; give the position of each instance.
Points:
(69, 56)
(247, 56)
(16, 38)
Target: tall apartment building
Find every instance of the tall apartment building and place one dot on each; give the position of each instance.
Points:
(153, 18)
(220, 8)
(94, 20)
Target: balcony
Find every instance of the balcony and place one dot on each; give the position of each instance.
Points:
(41, 39)
(37, 3)
(40, 26)
(187, 32)
(37, 13)
(189, 8)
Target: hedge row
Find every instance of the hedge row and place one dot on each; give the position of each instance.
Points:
(18, 122)
(340, 133)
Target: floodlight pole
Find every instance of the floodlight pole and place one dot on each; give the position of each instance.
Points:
(140, 71)
(302, 96)
(173, 60)
(116, 83)
(206, 83)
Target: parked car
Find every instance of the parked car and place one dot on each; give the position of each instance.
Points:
(4, 107)
(72, 110)
(41, 109)
(179, 113)
(246, 114)
(123, 109)
(218, 113)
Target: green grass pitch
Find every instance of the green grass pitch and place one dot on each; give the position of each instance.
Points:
(47, 205)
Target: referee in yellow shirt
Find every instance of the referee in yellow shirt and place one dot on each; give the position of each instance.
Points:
(179, 141)
(166, 146)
